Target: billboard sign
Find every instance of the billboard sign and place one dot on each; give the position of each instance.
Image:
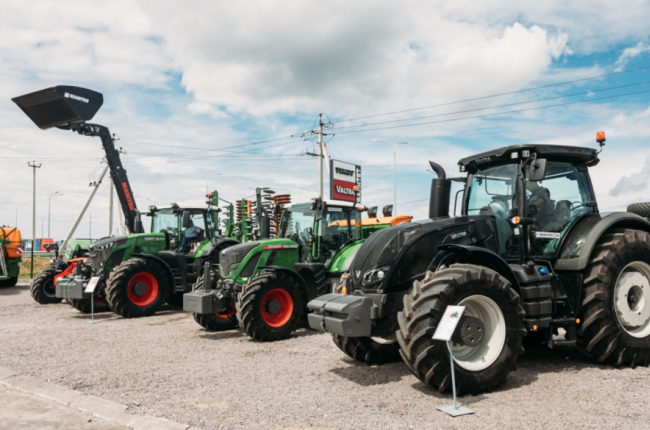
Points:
(343, 177)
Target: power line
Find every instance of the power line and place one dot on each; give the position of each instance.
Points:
(499, 95)
(496, 114)
(501, 106)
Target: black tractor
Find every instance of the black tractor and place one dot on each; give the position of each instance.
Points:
(531, 258)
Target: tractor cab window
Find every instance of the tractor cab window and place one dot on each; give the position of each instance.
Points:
(491, 192)
(165, 220)
(555, 204)
(197, 224)
(295, 222)
(337, 228)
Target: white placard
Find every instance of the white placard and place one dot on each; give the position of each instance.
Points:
(90, 288)
(448, 323)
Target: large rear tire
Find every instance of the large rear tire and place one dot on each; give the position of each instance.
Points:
(43, 289)
(615, 313)
(137, 288)
(270, 307)
(369, 350)
(485, 295)
(214, 322)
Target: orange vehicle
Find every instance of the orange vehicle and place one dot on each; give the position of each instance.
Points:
(11, 252)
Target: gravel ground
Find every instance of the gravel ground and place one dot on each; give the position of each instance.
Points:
(168, 366)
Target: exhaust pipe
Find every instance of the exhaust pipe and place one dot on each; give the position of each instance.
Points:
(440, 192)
(387, 210)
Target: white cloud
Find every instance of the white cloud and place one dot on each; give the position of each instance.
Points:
(631, 53)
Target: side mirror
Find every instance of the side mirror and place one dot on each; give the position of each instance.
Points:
(186, 219)
(537, 170)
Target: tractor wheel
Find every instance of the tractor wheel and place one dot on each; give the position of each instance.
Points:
(369, 350)
(219, 321)
(11, 282)
(137, 288)
(84, 305)
(615, 313)
(270, 307)
(487, 296)
(43, 289)
(641, 209)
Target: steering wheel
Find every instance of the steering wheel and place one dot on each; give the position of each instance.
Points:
(578, 205)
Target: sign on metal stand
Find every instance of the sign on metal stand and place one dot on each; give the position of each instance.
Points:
(444, 332)
(90, 288)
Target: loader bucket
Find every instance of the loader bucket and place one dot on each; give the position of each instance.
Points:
(60, 106)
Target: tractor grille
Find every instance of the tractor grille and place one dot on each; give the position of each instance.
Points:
(99, 251)
(235, 254)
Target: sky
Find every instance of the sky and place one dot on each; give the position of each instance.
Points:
(219, 94)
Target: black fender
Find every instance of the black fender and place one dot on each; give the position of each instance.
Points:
(484, 257)
(162, 263)
(308, 289)
(578, 246)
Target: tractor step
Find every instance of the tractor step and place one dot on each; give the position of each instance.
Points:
(562, 343)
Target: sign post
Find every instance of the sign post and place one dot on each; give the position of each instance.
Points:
(90, 288)
(444, 332)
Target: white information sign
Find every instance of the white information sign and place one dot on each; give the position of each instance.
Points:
(448, 323)
(90, 288)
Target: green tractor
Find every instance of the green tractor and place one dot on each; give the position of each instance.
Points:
(265, 285)
(531, 258)
(138, 273)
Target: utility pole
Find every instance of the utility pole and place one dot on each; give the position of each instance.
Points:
(110, 208)
(394, 170)
(34, 167)
(320, 155)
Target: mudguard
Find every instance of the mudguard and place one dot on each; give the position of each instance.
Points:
(484, 257)
(311, 291)
(582, 239)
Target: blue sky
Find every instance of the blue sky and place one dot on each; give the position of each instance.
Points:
(185, 87)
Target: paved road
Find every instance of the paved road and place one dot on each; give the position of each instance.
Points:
(20, 410)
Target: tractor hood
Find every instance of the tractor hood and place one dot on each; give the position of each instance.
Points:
(382, 255)
(235, 254)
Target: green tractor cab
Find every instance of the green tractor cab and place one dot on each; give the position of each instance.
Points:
(265, 285)
(138, 273)
(530, 258)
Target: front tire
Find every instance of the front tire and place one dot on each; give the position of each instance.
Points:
(270, 307)
(368, 350)
(615, 312)
(11, 282)
(137, 288)
(43, 289)
(487, 296)
(214, 322)
(85, 306)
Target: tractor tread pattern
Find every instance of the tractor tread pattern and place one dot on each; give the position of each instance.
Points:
(423, 309)
(117, 284)
(641, 209)
(247, 312)
(84, 306)
(600, 335)
(212, 322)
(37, 288)
(366, 350)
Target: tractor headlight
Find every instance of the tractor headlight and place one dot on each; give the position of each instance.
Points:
(375, 275)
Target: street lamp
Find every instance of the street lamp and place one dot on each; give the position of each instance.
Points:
(394, 170)
(49, 203)
(206, 181)
(24, 204)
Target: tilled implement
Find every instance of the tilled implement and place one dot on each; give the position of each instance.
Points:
(530, 258)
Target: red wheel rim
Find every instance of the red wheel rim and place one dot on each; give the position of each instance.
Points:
(277, 307)
(226, 314)
(146, 280)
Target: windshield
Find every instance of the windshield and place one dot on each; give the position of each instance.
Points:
(165, 220)
(337, 228)
(552, 205)
(295, 222)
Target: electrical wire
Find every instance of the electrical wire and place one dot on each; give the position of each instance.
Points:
(497, 113)
(499, 94)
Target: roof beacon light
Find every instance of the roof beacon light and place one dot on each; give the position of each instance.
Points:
(600, 138)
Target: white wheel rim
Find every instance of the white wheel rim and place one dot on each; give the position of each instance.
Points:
(391, 338)
(482, 356)
(631, 299)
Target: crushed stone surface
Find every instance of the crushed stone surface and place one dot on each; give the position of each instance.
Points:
(169, 366)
